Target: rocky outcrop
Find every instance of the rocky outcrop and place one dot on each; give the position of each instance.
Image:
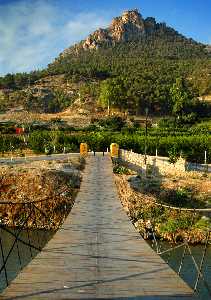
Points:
(150, 25)
(99, 36)
(130, 26)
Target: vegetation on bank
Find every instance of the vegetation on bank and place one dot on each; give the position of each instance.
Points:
(144, 198)
(174, 225)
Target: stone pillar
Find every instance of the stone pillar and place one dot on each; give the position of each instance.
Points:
(114, 150)
(83, 149)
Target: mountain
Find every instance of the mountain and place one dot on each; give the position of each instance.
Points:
(129, 36)
(135, 60)
(130, 27)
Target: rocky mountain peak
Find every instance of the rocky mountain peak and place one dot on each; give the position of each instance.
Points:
(132, 16)
(129, 26)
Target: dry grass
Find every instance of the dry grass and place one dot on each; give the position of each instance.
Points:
(51, 186)
(131, 199)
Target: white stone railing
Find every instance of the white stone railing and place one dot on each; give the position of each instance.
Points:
(159, 162)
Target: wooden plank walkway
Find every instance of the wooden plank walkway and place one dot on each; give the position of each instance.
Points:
(97, 254)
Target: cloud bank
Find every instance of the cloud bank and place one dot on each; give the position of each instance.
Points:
(33, 33)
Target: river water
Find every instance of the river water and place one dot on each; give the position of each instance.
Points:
(20, 255)
(188, 270)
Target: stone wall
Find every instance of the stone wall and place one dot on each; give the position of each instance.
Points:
(159, 164)
(198, 167)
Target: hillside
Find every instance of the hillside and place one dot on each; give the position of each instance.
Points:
(136, 60)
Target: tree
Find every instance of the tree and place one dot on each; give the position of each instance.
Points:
(112, 94)
(182, 98)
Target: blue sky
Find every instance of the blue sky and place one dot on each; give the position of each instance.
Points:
(34, 32)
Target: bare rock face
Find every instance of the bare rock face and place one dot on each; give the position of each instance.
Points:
(130, 26)
(150, 24)
(99, 36)
(90, 43)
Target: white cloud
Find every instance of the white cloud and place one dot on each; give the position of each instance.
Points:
(32, 33)
(83, 25)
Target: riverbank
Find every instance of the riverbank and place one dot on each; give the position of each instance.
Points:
(141, 197)
(40, 194)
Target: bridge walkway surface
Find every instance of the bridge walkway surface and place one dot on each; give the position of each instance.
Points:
(97, 253)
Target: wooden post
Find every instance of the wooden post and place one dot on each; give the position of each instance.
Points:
(205, 157)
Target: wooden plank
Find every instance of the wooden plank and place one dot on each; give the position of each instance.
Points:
(97, 254)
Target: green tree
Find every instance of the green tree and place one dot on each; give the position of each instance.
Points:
(113, 93)
(182, 98)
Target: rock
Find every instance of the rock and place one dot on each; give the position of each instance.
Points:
(93, 40)
(150, 24)
(129, 26)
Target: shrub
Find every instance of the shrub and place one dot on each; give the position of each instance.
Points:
(112, 123)
(204, 223)
(150, 185)
(181, 197)
(118, 169)
(173, 155)
(192, 147)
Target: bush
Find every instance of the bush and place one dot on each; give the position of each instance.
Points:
(200, 129)
(173, 155)
(149, 184)
(39, 141)
(121, 170)
(192, 147)
(112, 123)
(181, 197)
(204, 223)
(166, 123)
(172, 225)
(11, 143)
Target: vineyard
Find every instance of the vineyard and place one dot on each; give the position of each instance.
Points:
(191, 147)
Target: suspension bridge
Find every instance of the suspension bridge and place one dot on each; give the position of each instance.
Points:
(96, 253)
